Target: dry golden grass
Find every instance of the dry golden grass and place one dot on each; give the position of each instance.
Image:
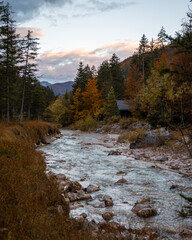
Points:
(29, 199)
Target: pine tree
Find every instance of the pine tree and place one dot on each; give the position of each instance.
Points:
(10, 55)
(117, 77)
(29, 69)
(111, 108)
(104, 78)
(162, 37)
(83, 74)
(143, 46)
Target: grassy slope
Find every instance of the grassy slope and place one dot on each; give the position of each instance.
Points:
(28, 198)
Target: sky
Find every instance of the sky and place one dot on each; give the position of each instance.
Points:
(90, 31)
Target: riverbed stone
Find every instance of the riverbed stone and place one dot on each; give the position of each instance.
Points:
(144, 210)
(92, 188)
(120, 172)
(77, 196)
(107, 216)
(96, 203)
(186, 233)
(75, 205)
(108, 201)
(122, 180)
(61, 177)
(162, 159)
(84, 215)
(114, 152)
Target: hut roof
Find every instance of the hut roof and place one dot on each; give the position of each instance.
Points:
(123, 106)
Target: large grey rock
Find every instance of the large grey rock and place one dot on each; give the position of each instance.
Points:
(153, 138)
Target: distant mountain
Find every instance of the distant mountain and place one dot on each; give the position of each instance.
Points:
(125, 66)
(45, 84)
(59, 88)
(62, 88)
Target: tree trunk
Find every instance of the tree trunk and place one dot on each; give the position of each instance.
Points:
(13, 110)
(143, 66)
(8, 117)
(22, 103)
(182, 116)
(29, 111)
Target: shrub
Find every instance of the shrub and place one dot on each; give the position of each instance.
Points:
(123, 138)
(137, 135)
(87, 124)
(124, 123)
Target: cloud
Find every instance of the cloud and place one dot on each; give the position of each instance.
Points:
(62, 66)
(97, 6)
(37, 32)
(27, 9)
(109, 5)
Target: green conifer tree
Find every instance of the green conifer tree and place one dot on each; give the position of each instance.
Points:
(111, 108)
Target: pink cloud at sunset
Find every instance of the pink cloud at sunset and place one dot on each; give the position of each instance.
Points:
(63, 65)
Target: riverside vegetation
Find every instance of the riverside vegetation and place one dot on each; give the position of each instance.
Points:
(156, 84)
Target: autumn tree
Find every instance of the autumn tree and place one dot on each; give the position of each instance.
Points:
(132, 86)
(92, 97)
(78, 105)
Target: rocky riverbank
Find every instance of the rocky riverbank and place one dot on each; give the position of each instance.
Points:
(158, 146)
(80, 192)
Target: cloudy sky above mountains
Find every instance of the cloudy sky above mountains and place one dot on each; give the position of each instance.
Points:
(71, 31)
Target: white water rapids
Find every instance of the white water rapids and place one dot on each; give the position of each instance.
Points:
(93, 165)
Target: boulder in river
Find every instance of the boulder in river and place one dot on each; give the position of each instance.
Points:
(144, 210)
(108, 201)
(153, 138)
(186, 233)
(75, 205)
(107, 216)
(92, 188)
(80, 195)
(60, 177)
(114, 152)
(122, 180)
(120, 172)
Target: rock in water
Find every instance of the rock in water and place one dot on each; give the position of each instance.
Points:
(122, 180)
(92, 188)
(108, 201)
(144, 210)
(107, 216)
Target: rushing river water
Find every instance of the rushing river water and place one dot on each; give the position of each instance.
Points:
(91, 164)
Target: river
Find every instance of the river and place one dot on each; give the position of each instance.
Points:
(91, 164)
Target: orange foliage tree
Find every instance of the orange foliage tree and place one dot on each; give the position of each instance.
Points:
(92, 97)
(77, 107)
(133, 85)
(87, 102)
